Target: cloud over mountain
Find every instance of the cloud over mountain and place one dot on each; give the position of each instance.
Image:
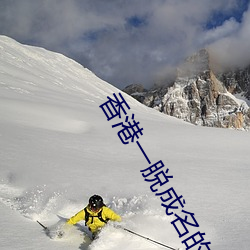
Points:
(130, 41)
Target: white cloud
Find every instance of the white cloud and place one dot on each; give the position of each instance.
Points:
(228, 28)
(97, 32)
(233, 49)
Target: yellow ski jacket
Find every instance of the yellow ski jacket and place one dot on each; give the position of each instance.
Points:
(94, 223)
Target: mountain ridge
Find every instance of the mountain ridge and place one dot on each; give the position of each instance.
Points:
(201, 95)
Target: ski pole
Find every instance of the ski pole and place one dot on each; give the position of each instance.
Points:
(148, 238)
(45, 228)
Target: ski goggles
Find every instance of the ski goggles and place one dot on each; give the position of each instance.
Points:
(94, 208)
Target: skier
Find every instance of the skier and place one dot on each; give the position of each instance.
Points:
(95, 214)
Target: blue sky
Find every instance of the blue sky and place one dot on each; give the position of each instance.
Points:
(131, 41)
(218, 17)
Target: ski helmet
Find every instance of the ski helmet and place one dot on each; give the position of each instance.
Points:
(96, 202)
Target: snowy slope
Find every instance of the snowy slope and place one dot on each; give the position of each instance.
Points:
(57, 149)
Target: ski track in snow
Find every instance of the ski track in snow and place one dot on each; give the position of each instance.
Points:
(39, 204)
(43, 117)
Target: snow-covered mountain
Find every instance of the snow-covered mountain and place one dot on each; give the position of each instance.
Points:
(201, 95)
(58, 148)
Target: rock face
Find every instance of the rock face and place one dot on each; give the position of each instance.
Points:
(237, 81)
(200, 97)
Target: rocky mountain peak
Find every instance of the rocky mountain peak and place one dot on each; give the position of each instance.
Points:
(196, 64)
(200, 96)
